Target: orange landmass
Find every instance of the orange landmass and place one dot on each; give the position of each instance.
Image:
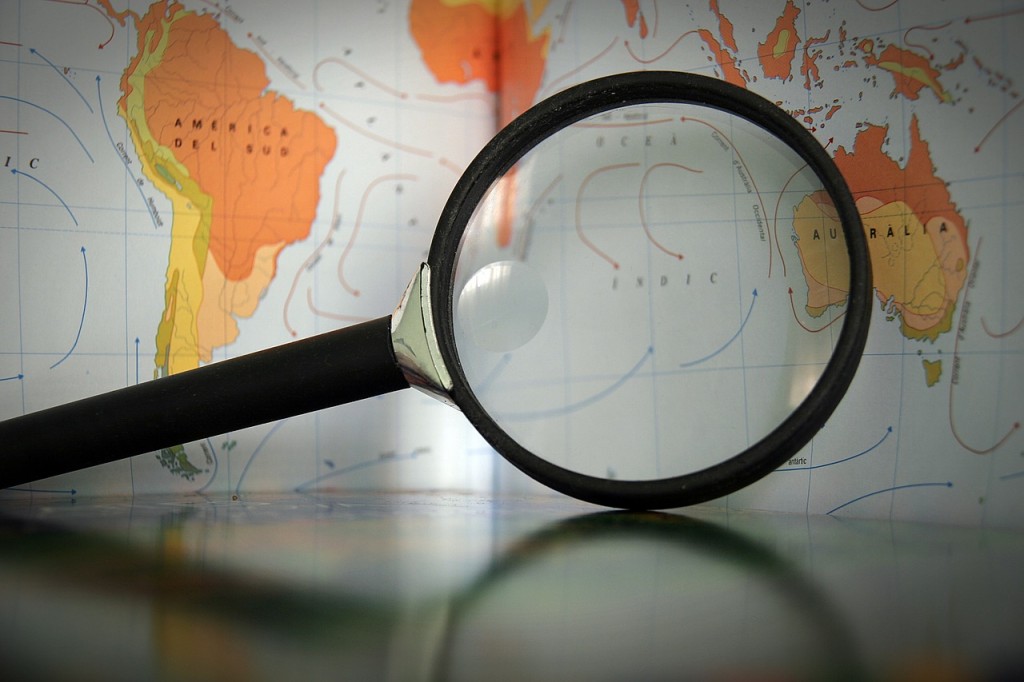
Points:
(471, 41)
(723, 58)
(633, 13)
(872, 173)
(777, 51)
(823, 254)
(912, 224)
(150, 30)
(120, 17)
(632, 8)
(725, 27)
(251, 151)
(911, 72)
(809, 67)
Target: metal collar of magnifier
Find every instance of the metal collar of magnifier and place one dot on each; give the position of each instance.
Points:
(414, 340)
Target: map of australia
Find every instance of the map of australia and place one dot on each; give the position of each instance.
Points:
(916, 238)
(239, 163)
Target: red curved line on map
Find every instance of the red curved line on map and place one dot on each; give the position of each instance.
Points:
(937, 27)
(569, 74)
(333, 316)
(308, 263)
(107, 41)
(792, 305)
(380, 85)
(451, 165)
(1002, 335)
(396, 177)
(643, 214)
(876, 9)
(671, 47)
(775, 217)
(998, 123)
(579, 207)
(753, 183)
(85, 3)
(109, 21)
(994, 15)
(961, 324)
(621, 124)
(374, 136)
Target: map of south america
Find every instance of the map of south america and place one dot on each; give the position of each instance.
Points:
(239, 163)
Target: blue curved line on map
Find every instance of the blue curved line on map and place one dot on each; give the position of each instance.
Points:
(947, 484)
(135, 180)
(586, 402)
(1010, 477)
(888, 432)
(499, 367)
(245, 469)
(61, 74)
(216, 467)
(16, 376)
(15, 171)
(85, 305)
(357, 466)
(70, 130)
(728, 343)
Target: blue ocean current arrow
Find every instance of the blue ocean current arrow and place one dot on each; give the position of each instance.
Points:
(888, 431)
(61, 74)
(135, 181)
(65, 123)
(85, 305)
(946, 484)
(728, 343)
(67, 208)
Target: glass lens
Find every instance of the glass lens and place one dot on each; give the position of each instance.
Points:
(649, 291)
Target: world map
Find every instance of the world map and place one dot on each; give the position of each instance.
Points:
(224, 178)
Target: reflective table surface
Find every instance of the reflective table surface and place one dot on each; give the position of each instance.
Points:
(439, 587)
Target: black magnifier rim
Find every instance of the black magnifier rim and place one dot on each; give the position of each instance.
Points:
(591, 98)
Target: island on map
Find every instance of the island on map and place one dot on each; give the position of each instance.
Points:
(910, 71)
(777, 51)
(239, 163)
(916, 238)
(932, 371)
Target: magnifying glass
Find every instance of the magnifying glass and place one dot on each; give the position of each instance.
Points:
(648, 291)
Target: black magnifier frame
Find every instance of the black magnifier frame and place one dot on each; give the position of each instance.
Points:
(595, 97)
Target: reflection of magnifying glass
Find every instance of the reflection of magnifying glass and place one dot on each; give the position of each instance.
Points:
(609, 298)
(609, 596)
(626, 595)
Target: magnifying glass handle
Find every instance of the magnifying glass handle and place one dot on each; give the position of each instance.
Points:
(311, 374)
